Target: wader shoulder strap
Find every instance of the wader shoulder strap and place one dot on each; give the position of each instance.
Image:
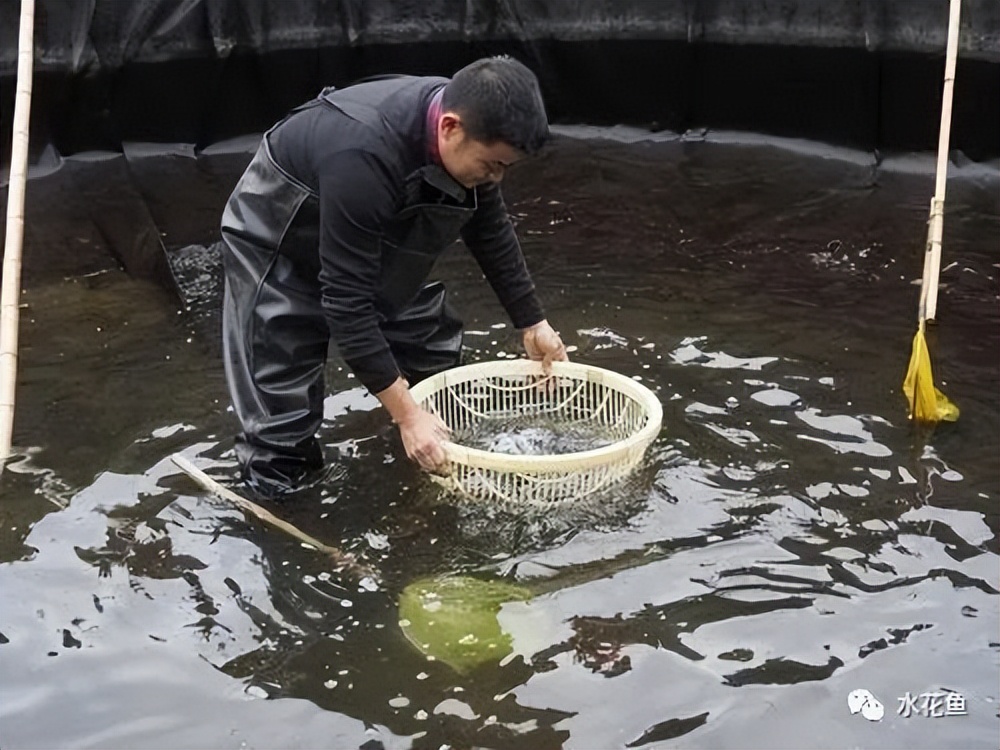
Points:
(354, 107)
(301, 108)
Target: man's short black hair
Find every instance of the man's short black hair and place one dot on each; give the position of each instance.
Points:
(498, 100)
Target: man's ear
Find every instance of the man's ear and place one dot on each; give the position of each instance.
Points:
(450, 124)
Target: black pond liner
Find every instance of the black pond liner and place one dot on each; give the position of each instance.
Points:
(883, 100)
(146, 129)
(156, 88)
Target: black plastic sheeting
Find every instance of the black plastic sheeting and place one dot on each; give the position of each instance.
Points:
(136, 102)
(77, 35)
(152, 210)
(863, 73)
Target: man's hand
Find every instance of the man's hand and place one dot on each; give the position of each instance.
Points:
(422, 433)
(542, 343)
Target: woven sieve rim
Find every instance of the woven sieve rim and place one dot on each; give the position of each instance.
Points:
(552, 463)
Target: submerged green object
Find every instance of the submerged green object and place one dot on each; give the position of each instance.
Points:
(454, 619)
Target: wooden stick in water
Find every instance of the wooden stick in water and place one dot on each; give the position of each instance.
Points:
(344, 561)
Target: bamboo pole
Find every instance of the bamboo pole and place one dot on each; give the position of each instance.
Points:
(11, 291)
(344, 561)
(932, 264)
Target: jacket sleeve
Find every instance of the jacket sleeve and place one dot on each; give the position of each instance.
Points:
(357, 198)
(490, 237)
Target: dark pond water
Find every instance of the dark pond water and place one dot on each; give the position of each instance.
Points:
(790, 539)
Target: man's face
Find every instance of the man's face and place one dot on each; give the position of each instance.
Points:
(468, 161)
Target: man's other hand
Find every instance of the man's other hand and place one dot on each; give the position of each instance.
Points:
(542, 343)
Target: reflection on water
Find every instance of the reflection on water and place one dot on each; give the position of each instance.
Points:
(790, 539)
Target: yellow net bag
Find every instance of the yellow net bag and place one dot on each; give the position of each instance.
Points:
(927, 403)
